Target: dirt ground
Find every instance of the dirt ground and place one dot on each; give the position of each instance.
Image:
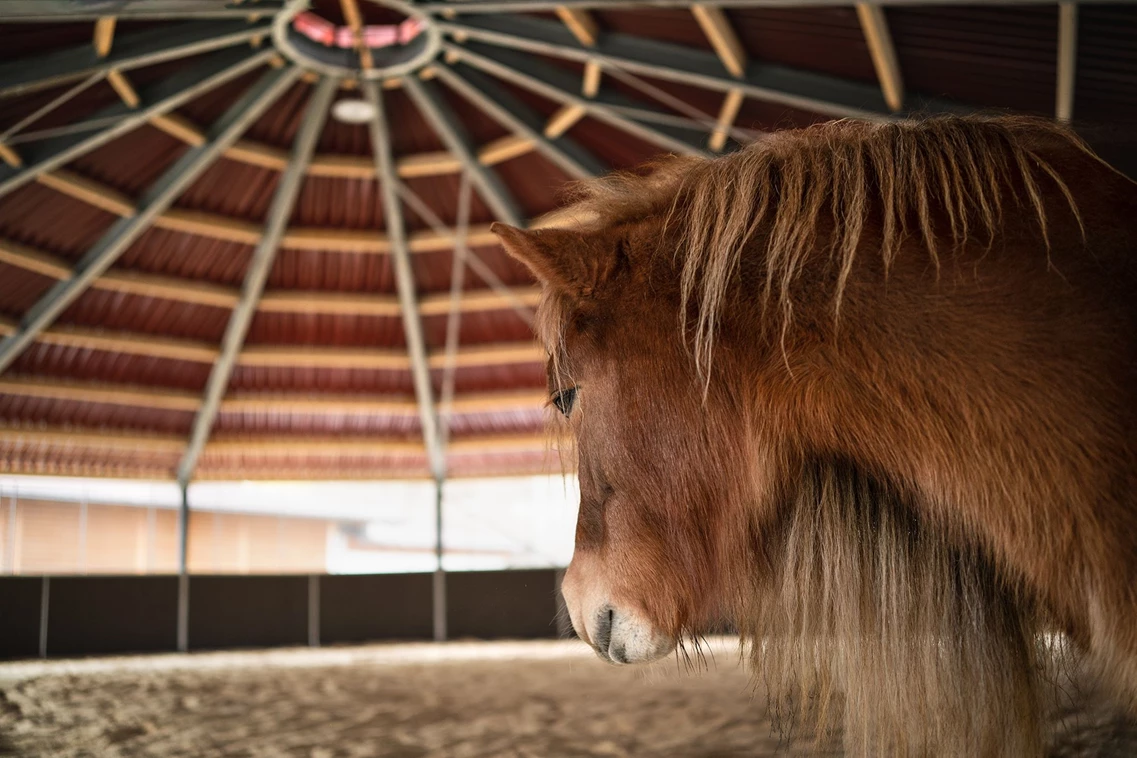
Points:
(460, 700)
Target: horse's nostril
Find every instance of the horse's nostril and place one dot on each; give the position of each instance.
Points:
(603, 636)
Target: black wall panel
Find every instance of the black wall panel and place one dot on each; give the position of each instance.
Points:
(19, 616)
(501, 604)
(360, 608)
(112, 614)
(247, 611)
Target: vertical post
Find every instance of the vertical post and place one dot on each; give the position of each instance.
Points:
(314, 610)
(44, 599)
(183, 571)
(439, 574)
(1067, 60)
(10, 549)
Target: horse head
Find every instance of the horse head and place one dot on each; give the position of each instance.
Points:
(658, 451)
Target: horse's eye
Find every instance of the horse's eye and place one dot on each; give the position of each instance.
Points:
(564, 400)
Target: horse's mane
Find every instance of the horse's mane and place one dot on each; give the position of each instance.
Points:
(944, 179)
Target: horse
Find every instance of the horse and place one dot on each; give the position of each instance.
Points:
(869, 392)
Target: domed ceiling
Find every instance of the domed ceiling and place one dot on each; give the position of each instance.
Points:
(250, 239)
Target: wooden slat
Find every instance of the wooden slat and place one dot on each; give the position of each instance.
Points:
(180, 128)
(716, 26)
(504, 149)
(492, 355)
(123, 87)
(130, 343)
(209, 225)
(23, 257)
(168, 288)
(581, 23)
(478, 300)
(324, 357)
(88, 438)
(104, 35)
(727, 114)
(10, 156)
(88, 191)
(90, 392)
(874, 26)
(563, 120)
(590, 85)
(347, 304)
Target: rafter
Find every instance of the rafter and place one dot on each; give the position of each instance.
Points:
(716, 26)
(132, 50)
(580, 22)
(446, 124)
(207, 73)
(590, 82)
(104, 35)
(770, 82)
(279, 211)
(727, 114)
(159, 197)
(560, 86)
(508, 111)
(879, 39)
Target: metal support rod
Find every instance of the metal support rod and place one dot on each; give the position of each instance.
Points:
(279, 212)
(1067, 60)
(514, 115)
(774, 83)
(537, 76)
(151, 10)
(183, 571)
(154, 202)
(439, 582)
(51, 105)
(404, 279)
(493, 192)
(454, 317)
(44, 616)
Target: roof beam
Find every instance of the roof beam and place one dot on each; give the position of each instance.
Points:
(764, 81)
(133, 50)
(123, 88)
(283, 201)
(1067, 60)
(560, 86)
(156, 200)
(378, 130)
(727, 114)
(580, 22)
(716, 26)
(103, 36)
(874, 26)
(514, 115)
(428, 99)
(166, 95)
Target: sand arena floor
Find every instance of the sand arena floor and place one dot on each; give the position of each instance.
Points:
(459, 700)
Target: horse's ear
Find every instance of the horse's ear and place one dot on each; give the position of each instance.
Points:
(559, 258)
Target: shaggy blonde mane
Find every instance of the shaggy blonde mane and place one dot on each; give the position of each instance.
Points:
(946, 181)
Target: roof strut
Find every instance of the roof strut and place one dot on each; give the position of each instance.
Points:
(404, 279)
(153, 202)
(429, 101)
(263, 256)
(157, 99)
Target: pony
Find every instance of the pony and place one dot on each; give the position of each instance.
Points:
(869, 392)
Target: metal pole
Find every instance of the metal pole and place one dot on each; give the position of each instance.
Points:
(44, 600)
(314, 610)
(439, 574)
(183, 571)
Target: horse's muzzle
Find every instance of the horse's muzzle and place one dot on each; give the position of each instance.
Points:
(620, 637)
